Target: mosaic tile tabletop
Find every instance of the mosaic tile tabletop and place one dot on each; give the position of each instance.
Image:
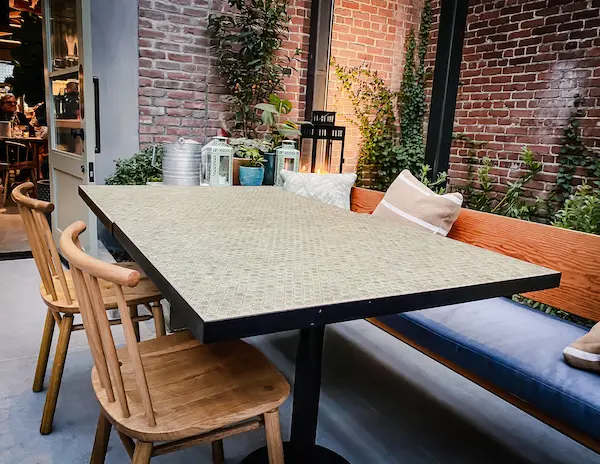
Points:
(241, 251)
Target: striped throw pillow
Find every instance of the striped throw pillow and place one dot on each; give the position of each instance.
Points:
(410, 202)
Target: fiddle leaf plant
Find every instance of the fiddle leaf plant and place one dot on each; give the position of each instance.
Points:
(246, 41)
(270, 116)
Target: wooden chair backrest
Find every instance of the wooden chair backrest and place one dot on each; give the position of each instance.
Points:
(22, 151)
(86, 271)
(575, 254)
(33, 212)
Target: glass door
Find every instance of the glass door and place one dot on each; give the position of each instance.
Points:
(70, 107)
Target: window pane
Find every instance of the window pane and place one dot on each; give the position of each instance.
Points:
(63, 30)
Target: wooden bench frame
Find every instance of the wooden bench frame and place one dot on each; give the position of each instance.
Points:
(574, 254)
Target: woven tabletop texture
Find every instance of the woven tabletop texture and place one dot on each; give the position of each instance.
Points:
(235, 252)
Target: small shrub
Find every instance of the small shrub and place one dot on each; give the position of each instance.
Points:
(138, 169)
(581, 211)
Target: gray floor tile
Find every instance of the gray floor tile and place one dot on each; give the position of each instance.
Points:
(382, 402)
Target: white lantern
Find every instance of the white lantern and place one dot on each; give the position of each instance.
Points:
(217, 163)
(288, 158)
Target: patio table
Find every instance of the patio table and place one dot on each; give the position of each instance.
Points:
(243, 261)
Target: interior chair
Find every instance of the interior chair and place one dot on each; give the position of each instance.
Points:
(16, 157)
(57, 291)
(172, 392)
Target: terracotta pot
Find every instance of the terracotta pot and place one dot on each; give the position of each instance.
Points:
(237, 162)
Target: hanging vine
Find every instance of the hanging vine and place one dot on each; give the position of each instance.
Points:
(390, 122)
(411, 151)
(373, 106)
(574, 154)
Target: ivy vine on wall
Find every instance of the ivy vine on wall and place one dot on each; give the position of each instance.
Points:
(390, 122)
(574, 154)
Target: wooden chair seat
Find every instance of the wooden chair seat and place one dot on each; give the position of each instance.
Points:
(145, 292)
(194, 388)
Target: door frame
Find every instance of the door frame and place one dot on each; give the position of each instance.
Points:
(70, 163)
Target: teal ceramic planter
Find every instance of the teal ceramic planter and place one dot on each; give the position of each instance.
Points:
(251, 176)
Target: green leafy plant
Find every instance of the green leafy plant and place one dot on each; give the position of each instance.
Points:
(246, 40)
(270, 115)
(138, 169)
(390, 122)
(253, 155)
(553, 311)
(438, 185)
(581, 211)
(373, 106)
(574, 154)
(511, 204)
(479, 192)
(412, 102)
(242, 145)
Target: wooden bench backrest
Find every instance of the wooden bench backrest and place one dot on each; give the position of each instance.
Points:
(575, 254)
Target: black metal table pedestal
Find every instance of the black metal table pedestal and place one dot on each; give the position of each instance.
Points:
(301, 449)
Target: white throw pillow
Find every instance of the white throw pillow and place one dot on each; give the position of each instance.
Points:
(333, 189)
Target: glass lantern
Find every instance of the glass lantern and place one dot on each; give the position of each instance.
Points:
(287, 158)
(217, 163)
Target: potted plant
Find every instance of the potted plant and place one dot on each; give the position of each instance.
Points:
(277, 131)
(252, 174)
(270, 116)
(137, 170)
(242, 147)
(246, 39)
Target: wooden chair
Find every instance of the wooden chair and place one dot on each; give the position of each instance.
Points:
(171, 389)
(57, 291)
(16, 157)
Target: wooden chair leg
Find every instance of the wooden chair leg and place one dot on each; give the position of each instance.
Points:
(42, 362)
(159, 319)
(101, 440)
(127, 443)
(58, 366)
(274, 442)
(133, 311)
(218, 454)
(143, 453)
(5, 186)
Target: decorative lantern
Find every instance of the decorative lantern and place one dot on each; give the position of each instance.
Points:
(288, 158)
(322, 132)
(217, 163)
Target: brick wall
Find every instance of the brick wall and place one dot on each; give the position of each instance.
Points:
(524, 62)
(180, 91)
(368, 33)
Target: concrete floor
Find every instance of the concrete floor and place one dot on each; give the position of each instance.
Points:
(382, 402)
(13, 238)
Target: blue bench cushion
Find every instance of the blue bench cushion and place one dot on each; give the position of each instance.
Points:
(516, 348)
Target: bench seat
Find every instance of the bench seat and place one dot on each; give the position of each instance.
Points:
(513, 347)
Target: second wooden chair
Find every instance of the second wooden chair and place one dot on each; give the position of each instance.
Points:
(57, 291)
(172, 389)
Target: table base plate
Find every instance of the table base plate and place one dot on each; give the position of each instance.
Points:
(315, 455)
